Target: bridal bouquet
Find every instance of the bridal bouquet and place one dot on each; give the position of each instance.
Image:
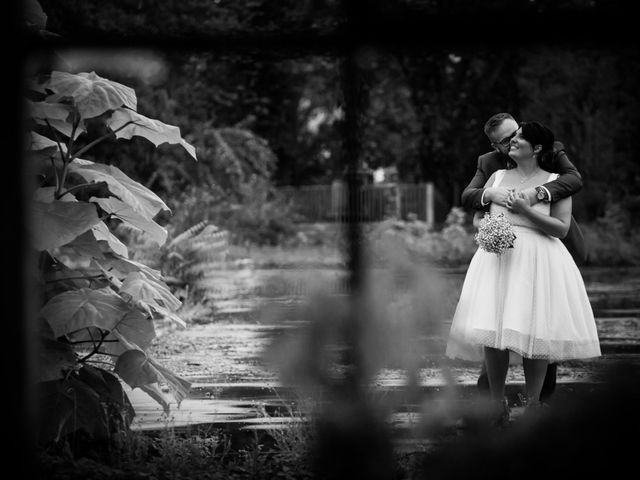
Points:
(495, 234)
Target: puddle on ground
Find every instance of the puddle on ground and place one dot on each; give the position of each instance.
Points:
(233, 383)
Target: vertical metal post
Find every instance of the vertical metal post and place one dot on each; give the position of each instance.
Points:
(428, 207)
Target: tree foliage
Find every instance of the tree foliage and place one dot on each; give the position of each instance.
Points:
(427, 102)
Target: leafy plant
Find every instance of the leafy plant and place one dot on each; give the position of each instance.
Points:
(97, 306)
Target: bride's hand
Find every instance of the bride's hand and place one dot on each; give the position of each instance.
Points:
(519, 202)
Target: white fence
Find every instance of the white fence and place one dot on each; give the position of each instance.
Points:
(328, 203)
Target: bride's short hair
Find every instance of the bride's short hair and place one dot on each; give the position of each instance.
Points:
(538, 134)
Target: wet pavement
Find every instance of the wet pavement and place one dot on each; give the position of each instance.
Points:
(234, 384)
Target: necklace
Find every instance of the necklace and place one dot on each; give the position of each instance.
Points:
(523, 179)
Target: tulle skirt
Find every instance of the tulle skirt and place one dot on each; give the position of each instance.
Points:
(531, 300)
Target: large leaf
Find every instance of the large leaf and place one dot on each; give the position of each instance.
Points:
(95, 242)
(139, 370)
(154, 294)
(57, 223)
(127, 214)
(102, 234)
(83, 246)
(90, 93)
(42, 111)
(137, 196)
(137, 328)
(86, 307)
(40, 142)
(61, 278)
(139, 287)
(135, 331)
(57, 116)
(178, 386)
(47, 195)
(67, 129)
(133, 367)
(153, 130)
(121, 267)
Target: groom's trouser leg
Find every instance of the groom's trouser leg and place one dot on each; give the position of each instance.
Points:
(549, 385)
(483, 379)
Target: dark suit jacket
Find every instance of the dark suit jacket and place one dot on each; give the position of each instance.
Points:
(569, 183)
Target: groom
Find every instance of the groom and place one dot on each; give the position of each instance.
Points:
(500, 129)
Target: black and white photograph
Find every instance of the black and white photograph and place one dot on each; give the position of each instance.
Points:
(322, 239)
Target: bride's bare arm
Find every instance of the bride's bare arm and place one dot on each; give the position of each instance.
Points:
(557, 224)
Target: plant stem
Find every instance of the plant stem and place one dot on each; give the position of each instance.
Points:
(98, 140)
(96, 348)
(92, 341)
(59, 182)
(88, 278)
(76, 187)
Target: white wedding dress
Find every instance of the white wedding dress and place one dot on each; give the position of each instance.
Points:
(530, 300)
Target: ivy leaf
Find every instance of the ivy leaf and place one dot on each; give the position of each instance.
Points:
(91, 94)
(56, 223)
(83, 308)
(138, 197)
(153, 130)
(127, 214)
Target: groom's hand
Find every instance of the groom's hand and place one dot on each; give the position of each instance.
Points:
(498, 195)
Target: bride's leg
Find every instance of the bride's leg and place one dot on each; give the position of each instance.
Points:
(497, 362)
(534, 373)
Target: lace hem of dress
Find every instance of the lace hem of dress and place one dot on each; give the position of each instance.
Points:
(530, 347)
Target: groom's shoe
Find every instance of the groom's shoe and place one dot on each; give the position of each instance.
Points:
(534, 410)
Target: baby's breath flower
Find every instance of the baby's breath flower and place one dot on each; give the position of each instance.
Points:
(495, 234)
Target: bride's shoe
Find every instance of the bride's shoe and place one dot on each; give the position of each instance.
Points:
(503, 413)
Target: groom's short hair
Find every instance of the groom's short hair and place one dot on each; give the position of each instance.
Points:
(495, 121)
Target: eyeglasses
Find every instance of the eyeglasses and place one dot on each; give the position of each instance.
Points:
(505, 141)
